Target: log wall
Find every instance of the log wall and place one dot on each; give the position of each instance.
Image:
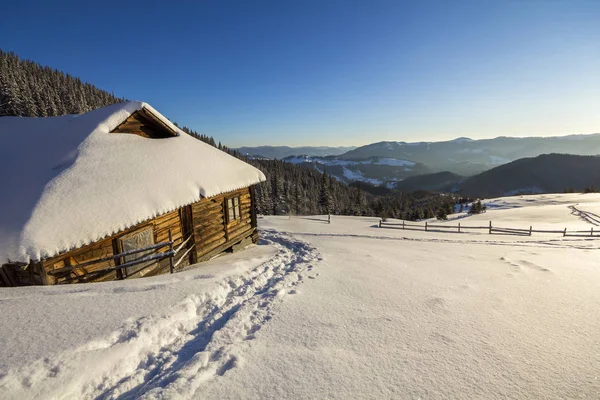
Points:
(213, 232)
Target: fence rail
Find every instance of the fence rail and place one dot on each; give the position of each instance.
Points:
(171, 253)
(490, 228)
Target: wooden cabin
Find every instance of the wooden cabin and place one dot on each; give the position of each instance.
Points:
(196, 203)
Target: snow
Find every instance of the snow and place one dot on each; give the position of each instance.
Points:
(395, 162)
(340, 310)
(530, 189)
(358, 176)
(496, 160)
(76, 183)
(461, 140)
(335, 162)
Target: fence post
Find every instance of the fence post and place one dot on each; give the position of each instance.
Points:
(490, 227)
(592, 231)
(565, 232)
(380, 223)
(425, 226)
(530, 229)
(402, 224)
(328, 218)
(459, 227)
(171, 268)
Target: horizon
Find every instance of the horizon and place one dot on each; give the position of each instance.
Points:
(333, 74)
(429, 141)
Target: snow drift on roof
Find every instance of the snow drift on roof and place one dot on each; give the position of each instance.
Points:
(68, 182)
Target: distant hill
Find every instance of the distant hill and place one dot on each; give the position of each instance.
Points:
(439, 182)
(548, 173)
(280, 152)
(372, 189)
(374, 170)
(468, 157)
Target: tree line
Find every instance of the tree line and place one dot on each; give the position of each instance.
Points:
(28, 89)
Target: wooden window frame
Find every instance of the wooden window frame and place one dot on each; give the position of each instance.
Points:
(129, 271)
(236, 208)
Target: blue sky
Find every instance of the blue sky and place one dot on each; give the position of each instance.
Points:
(288, 72)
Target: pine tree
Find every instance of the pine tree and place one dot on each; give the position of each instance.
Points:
(442, 213)
(325, 200)
(449, 208)
(30, 90)
(477, 207)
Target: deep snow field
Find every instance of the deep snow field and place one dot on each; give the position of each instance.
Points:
(341, 310)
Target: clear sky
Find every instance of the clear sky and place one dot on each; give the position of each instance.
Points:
(291, 72)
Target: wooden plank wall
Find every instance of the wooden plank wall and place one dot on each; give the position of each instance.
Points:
(213, 232)
(209, 225)
(100, 249)
(237, 227)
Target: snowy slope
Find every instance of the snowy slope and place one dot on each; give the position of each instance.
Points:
(330, 161)
(341, 310)
(375, 170)
(76, 183)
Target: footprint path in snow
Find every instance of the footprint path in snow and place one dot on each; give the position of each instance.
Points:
(586, 216)
(173, 355)
(519, 265)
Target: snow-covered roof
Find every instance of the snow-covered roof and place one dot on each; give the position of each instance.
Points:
(67, 181)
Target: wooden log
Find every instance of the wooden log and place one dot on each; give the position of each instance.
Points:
(207, 215)
(168, 224)
(203, 233)
(213, 219)
(208, 225)
(163, 235)
(226, 245)
(203, 251)
(202, 207)
(241, 233)
(208, 238)
(253, 213)
(244, 225)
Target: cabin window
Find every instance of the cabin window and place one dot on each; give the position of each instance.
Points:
(133, 241)
(233, 208)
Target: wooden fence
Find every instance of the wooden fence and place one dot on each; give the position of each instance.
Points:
(490, 228)
(145, 258)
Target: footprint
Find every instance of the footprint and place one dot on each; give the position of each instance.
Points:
(436, 304)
